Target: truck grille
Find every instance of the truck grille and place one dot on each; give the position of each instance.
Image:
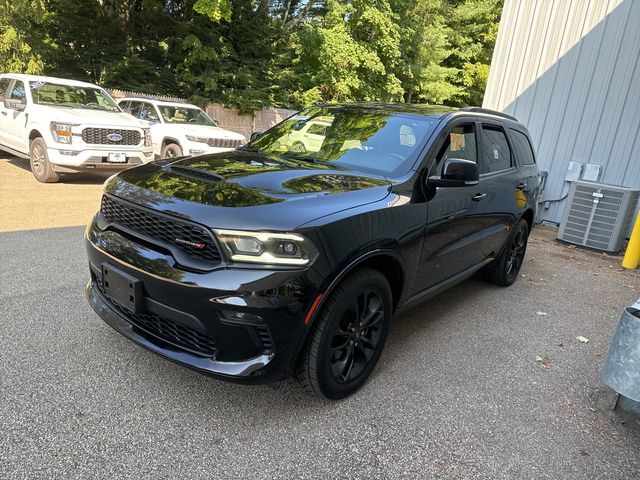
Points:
(224, 143)
(99, 136)
(165, 228)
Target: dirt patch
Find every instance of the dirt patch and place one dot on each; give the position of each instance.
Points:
(26, 204)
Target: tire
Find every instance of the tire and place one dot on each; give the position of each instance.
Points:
(504, 270)
(39, 160)
(171, 150)
(339, 355)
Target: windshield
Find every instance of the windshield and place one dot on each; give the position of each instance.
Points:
(379, 142)
(45, 93)
(180, 114)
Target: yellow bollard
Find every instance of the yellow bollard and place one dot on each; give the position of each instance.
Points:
(632, 255)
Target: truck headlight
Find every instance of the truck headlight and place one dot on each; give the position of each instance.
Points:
(147, 137)
(61, 132)
(191, 138)
(269, 248)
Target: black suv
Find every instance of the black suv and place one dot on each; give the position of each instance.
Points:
(292, 254)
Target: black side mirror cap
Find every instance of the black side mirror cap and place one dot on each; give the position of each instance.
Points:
(255, 135)
(456, 172)
(18, 105)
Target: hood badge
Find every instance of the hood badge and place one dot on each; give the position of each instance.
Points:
(198, 245)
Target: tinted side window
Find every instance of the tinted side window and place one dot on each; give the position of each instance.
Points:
(135, 108)
(523, 148)
(4, 84)
(460, 143)
(496, 154)
(17, 91)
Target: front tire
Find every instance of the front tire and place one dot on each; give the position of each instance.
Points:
(39, 160)
(171, 150)
(504, 270)
(349, 336)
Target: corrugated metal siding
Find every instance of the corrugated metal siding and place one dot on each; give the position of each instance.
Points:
(568, 69)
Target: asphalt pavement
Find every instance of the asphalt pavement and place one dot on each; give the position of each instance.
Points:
(458, 392)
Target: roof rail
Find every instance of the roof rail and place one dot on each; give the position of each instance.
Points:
(489, 112)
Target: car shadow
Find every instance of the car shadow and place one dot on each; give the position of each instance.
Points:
(70, 178)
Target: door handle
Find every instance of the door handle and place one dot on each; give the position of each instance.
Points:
(521, 186)
(478, 196)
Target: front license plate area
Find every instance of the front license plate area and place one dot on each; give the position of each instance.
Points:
(117, 157)
(122, 288)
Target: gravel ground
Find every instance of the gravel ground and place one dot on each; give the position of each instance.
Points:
(26, 204)
(458, 392)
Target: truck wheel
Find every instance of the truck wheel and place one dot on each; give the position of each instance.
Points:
(171, 150)
(504, 270)
(40, 167)
(348, 337)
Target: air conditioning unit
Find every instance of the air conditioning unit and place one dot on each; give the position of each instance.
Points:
(598, 216)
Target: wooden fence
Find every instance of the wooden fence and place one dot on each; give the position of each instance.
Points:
(227, 118)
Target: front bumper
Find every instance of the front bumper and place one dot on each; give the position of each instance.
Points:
(69, 160)
(261, 348)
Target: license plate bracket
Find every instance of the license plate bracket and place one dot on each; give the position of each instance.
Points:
(122, 288)
(117, 157)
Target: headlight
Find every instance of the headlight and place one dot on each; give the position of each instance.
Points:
(147, 137)
(61, 132)
(197, 139)
(267, 248)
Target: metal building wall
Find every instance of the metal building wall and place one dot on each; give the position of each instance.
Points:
(568, 69)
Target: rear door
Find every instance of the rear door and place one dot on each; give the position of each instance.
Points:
(16, 127)
(5, 82)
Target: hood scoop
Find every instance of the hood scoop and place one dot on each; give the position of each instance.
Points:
(192, 172)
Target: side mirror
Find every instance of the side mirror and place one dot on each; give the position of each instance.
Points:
(456, 173)
(255, 135)
(18, 105)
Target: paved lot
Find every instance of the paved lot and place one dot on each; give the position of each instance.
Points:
(458, 392)
(26, 204)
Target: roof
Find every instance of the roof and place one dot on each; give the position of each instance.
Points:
(41, 78)
(415, 108)
(158, 102)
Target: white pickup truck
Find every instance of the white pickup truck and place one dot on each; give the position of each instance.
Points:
(181, 128)
(64, 126)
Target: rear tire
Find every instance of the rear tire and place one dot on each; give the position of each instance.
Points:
(39, 160)
(171, 150)
(504, 270)
(349, 336)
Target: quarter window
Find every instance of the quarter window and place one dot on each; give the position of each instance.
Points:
(496, 155)
(523, 148)
(460, 143)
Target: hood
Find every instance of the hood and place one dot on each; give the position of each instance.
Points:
(243, 190)
(205, 131)
(87, 116)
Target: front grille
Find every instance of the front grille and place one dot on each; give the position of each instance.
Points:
(165, 228)
(224, 142)
(98, 136)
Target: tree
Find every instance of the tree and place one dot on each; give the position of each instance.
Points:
(19, 33)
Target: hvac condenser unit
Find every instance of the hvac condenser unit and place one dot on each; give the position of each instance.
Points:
(597, 215)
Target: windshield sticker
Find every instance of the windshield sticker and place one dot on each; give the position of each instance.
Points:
(36, 85)
(300, 117)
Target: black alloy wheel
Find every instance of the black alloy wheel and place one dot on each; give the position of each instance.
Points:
(504, 270)
(348, 336)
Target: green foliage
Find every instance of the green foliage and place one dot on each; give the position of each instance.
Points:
(256, 53)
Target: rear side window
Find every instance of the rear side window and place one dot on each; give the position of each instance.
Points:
(496, 155)
(523, 148)
(4, 84)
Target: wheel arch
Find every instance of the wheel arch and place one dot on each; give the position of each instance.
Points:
(167, 140)
(388, 262)
(528, 216)
(33, 134)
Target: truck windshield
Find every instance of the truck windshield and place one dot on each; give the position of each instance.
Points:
(45, 93)
(181, 114)
(379, 142)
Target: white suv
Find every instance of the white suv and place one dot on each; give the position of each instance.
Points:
(180, 128)
(64, 126)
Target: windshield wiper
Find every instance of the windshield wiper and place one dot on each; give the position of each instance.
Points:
(301, 157)
(252, 150)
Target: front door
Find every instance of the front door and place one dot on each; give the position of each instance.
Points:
(16, 120)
